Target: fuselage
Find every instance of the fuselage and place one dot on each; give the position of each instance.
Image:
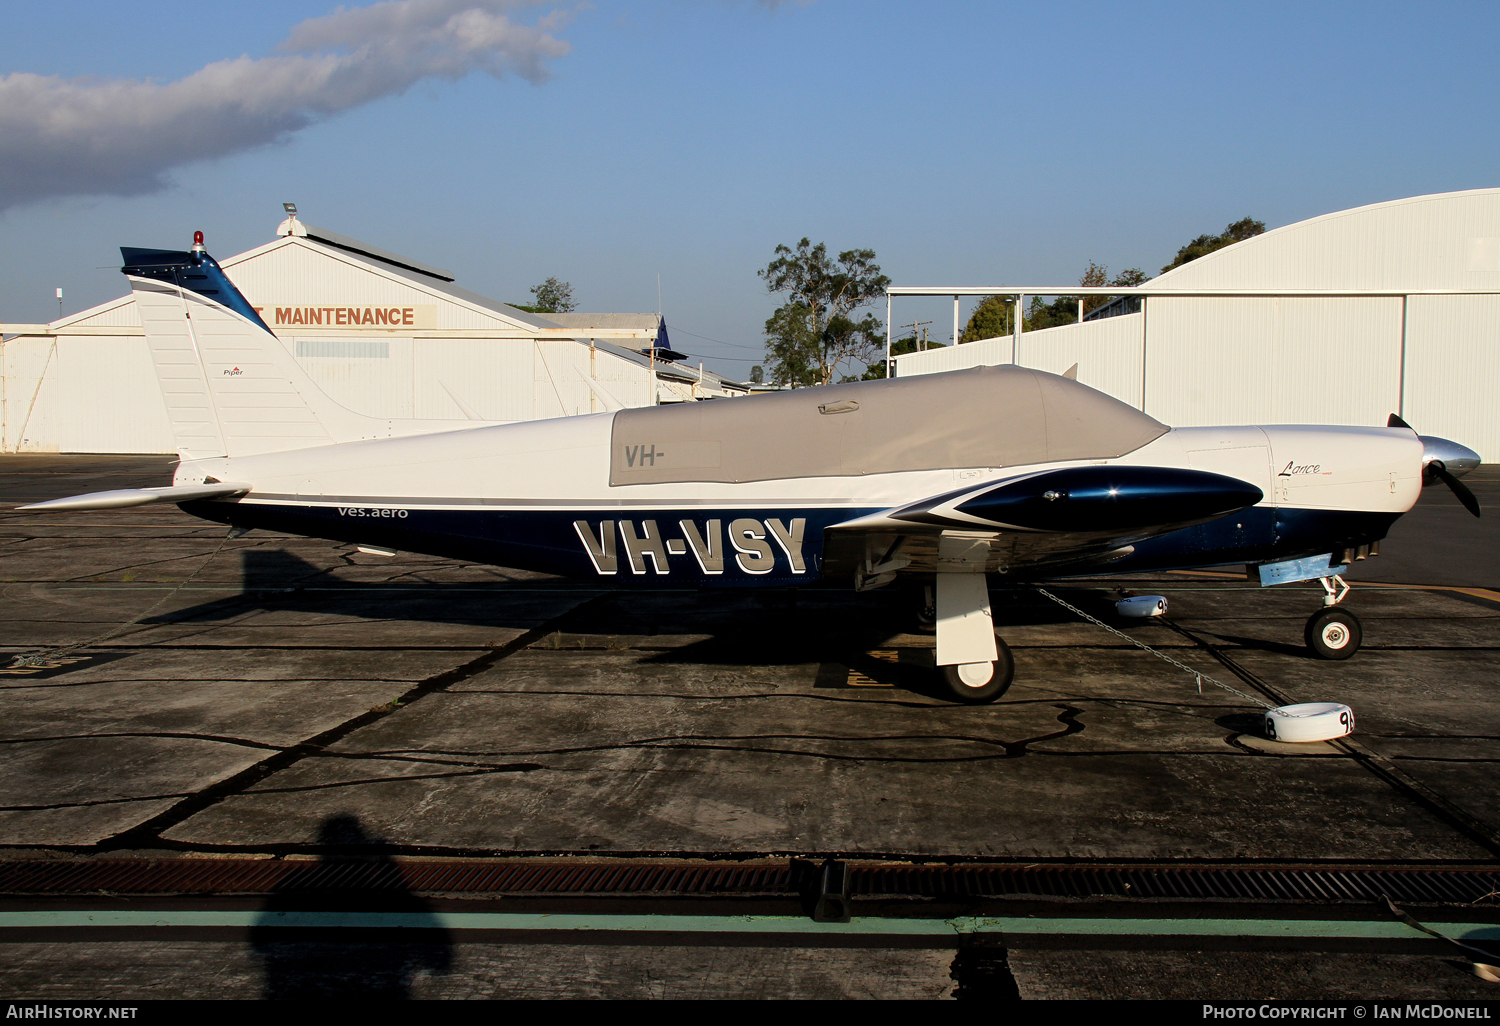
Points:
(996, 469)
(538, 496)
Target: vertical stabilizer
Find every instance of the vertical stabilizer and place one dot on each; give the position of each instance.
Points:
(231, 387)
(179, 371)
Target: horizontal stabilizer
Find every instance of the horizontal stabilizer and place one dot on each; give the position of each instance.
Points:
(119, 498)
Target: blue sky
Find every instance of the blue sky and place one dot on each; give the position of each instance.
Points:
(967, 143)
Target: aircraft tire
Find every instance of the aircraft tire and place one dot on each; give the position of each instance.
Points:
(927, 608)
(963, 683)
(1333, 633)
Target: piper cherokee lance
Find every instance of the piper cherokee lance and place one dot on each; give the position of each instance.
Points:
(953, 479)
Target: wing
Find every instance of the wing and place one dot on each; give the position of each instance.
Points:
(1033, 522)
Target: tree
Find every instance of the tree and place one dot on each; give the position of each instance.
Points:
(1239, 231)
(992, 318)
(1097, 276)
(1039, 315)
(912, 344)
(757, 375)
(789, 342)
(814, 334)
(906, 344)
(552, 296)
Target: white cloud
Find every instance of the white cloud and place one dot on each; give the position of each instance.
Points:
(61, 137)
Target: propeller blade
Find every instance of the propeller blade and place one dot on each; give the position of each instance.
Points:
(1456, 486)
(1436, 453)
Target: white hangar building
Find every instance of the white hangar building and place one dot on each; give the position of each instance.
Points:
(1341, 319)
(382, 334)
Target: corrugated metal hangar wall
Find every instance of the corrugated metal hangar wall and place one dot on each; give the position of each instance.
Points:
(1413, 327)
(383, 335)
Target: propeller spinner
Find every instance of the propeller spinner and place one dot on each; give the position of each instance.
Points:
(1445, 461)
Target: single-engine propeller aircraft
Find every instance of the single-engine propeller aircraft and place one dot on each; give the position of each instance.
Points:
(951, 477)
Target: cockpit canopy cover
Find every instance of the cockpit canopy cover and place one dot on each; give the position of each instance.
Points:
(982, 417)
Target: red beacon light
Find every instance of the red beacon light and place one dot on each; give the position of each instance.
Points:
(197, 242)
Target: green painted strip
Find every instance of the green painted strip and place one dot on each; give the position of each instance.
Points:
(868, 927)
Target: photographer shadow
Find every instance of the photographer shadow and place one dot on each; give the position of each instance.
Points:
(356, 873)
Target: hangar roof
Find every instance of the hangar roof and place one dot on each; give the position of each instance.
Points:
(301, 229)
(643, 321)
(674, 371)
(1443, 241)
(122, 312)
(426, 282)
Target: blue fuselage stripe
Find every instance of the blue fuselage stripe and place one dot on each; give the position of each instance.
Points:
(640, 547)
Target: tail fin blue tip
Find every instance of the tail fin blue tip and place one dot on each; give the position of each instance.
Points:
(197, 273)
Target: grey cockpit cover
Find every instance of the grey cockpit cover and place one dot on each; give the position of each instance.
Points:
(981, 417)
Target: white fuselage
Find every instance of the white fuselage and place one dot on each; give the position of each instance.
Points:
(564, 464)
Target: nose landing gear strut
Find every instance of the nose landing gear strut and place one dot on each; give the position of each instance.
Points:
(1332, 632)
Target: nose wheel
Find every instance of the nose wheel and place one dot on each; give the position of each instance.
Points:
(1333, 633)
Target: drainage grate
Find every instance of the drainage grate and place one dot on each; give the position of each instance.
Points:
(1411, 885)
(265, 876)
(226, 876)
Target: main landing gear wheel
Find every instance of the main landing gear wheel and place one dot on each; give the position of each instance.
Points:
(1333, 633)
(978, 683)
(927, 613)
